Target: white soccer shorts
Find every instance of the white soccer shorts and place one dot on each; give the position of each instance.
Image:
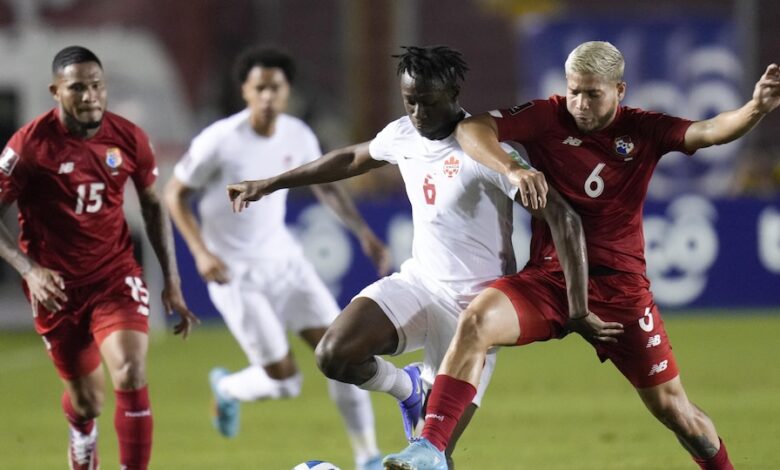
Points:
(425, 316)
(264, 300)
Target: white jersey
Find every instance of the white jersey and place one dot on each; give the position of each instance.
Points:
(461, 210)
(229, 151)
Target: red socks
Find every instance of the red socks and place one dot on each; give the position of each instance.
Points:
(133, 423)
(719, 461)
(84, 426)
(449, 398)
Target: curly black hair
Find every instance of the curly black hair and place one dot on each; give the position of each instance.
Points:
(441, 63)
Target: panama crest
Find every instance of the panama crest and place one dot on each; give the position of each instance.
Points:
(624, 147)
(113, 158)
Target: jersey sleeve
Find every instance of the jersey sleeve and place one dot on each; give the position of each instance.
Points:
(381, 147)
(497, 179)
(668, 132)
(146, 167)
(13, 169)
(524, 122)
(200, 162)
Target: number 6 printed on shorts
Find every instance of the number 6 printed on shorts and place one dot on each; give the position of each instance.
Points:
(139, 293)
(646, 322)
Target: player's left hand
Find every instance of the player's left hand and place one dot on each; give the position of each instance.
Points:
(594, 330)
(376, 251)
(532, 186)
(173, 301)
(767, 91)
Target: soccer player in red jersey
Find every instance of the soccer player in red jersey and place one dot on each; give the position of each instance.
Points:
(600, 156)
(67, 171)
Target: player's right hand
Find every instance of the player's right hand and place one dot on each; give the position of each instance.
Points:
(211, 268)
(594, 329)
(46, 288)
(246, 191)
(532, 186)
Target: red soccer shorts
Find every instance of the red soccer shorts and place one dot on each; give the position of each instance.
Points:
(643, 353)
(73, 335)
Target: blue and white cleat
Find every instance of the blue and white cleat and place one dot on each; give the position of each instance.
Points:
(412, 407)
(420, 455)
(226, 410)
(374, 463)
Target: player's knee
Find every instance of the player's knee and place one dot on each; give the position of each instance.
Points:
(676, 413)
(331, 358)
(472, 329)
(130, 375)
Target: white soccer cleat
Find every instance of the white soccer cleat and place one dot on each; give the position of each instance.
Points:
(82, 450)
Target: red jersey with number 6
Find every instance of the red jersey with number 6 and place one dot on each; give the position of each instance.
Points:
(70, 193)
(604, 175)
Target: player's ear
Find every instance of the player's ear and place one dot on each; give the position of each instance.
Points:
(53, 90)
(621, 89)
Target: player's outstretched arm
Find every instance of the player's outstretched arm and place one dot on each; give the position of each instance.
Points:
(478, 136)
(336, 198)
(569, 238)
(333, 166)
(210, 267)
(731, 125)
(46, 286)
(158, 229)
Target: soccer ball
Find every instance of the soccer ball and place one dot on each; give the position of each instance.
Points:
(315, 465)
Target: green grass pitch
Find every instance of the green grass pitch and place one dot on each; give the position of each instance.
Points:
(550, 406)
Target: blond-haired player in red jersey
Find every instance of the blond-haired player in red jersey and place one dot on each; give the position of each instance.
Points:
(67, 170)
(600, 156)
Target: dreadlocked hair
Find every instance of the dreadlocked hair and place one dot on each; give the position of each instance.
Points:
(433, 63)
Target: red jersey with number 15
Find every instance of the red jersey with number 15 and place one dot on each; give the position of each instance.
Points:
(604, 175)
(70, 193)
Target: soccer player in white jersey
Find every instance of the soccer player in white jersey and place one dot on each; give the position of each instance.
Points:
(462, 216)
(256, 273)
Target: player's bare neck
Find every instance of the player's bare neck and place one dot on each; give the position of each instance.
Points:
(264, 128)
(77, 129)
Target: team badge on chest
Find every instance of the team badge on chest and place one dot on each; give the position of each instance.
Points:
(451, 167)
(113, 159)
(624, 147)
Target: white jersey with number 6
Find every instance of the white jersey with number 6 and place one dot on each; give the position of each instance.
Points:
(461, 210)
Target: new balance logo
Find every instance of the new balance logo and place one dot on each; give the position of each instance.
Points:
(65, 168)
(439, 418)
(658, 368)
(653, 341)
(574, 142)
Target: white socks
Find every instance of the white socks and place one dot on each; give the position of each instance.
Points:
(355, 408)
(389, 379)
(252, 384)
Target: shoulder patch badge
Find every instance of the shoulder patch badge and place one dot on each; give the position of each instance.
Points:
(520, 108)
(8, 161)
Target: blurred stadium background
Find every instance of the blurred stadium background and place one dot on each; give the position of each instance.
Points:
(712, 223)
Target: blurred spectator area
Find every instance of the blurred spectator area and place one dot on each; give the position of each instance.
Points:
(169, 63)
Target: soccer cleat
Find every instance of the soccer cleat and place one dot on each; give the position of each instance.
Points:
(411, 408)
(82, 450)
(374, 463)
(419, 455)
(226, 410)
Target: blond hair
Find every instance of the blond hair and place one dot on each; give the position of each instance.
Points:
(597, 58)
